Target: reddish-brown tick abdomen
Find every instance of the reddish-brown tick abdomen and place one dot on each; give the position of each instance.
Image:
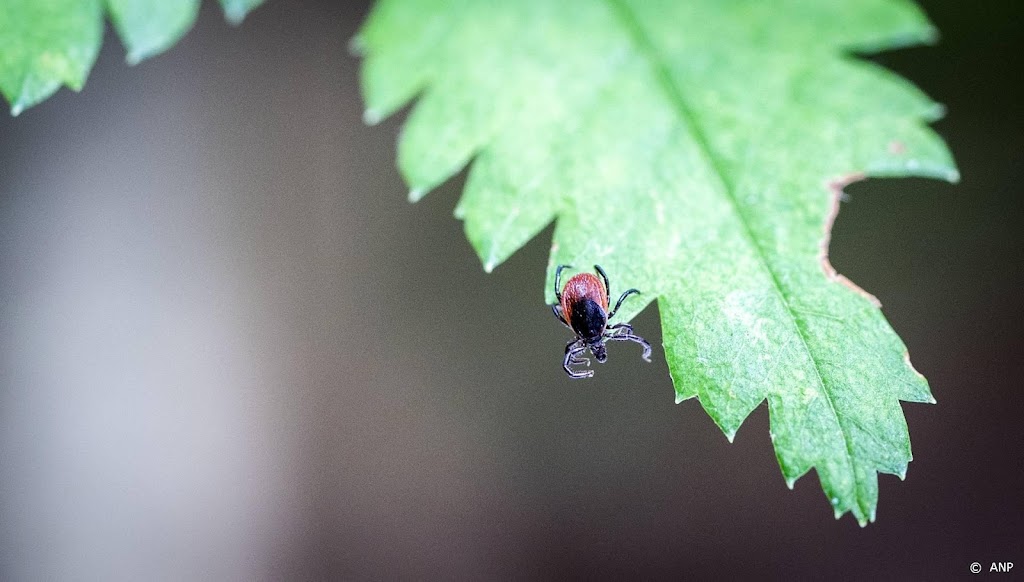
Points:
(581, 287)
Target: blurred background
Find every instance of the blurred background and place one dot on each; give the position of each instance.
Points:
(231, 350)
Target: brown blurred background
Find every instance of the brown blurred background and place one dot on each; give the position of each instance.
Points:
(231, 350)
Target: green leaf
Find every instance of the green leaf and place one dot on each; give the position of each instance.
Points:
(48, 43)
(695, 150)
(149, 28)
(237, 10)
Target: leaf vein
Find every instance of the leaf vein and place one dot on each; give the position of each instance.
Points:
(674, 94)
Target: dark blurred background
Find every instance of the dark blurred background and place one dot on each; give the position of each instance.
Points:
(231, 350)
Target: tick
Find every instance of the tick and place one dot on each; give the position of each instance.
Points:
(582, 306)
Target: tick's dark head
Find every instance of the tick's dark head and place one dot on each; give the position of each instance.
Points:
(599, 351)
(588, 319)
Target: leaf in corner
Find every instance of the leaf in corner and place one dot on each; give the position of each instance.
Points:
(696, 151)
(48, 43)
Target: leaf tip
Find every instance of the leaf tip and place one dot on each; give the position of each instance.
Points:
(416, 194)
(839, 511)
(134, 57)
(731, 435)
(235, 12)
(372, 117)
(938, 111)
(17, 108)
(356, 46)
(791, 482)
(492, 261)
(75, 85)
(906, 360)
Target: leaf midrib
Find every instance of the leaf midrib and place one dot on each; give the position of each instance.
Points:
(648, 51)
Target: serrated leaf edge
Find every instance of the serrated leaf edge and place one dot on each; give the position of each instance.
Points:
(234, 14)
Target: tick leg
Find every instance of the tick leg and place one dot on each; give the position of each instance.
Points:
(572, 350)
(557, 310)
(621, 299)
(574, 354)
(633, 338)
(625, 326)
(558, 281)
(607, 287)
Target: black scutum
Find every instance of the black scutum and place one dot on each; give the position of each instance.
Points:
(588, 319)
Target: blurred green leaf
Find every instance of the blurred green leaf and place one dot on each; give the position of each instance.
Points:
(150, 27)
(236, 10)
(696, 150)
(48, 43)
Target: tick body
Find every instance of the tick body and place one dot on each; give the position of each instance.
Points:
(583, 307)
